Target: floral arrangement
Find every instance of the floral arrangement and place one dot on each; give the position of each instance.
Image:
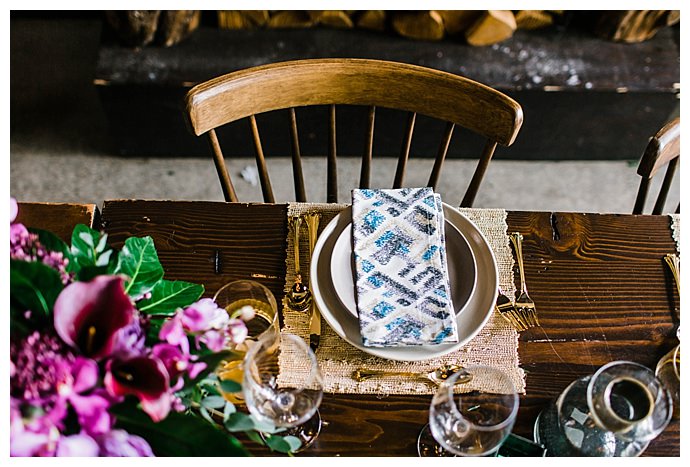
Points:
(108, 358)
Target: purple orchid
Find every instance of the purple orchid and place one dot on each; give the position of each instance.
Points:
(92, 408)
(129, 341)
(79, 445)
(144, 377)
(119, 443)
(177, 363)
(172, 332)
(203, 315)
(88, 315)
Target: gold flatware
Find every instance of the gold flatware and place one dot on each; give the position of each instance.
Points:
(435, 376)
(673, 262)
(523, 304)
(312, 219)
(505, 307)
(299, 297)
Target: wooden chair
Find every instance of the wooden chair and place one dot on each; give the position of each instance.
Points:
(663, 149)
(373, 83)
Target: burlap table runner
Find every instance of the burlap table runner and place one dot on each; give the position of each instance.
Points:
(496, 345)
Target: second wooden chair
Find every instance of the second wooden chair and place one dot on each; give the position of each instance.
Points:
(663, 149)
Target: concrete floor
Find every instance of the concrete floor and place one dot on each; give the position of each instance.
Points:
(57, 124)
(592, 186)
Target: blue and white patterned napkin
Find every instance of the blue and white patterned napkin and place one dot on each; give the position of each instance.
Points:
(402, 285)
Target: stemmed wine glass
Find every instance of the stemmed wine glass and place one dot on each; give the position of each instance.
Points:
(289, 400)
(474, 422)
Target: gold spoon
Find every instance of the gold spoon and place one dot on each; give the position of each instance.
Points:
(299, 297)
(436, 376)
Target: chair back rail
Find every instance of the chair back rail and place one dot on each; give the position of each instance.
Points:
(372, 83)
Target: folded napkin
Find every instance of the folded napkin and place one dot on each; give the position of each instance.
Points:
(403, 290)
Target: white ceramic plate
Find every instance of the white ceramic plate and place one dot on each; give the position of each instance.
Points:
(473, 317)
(462, 271)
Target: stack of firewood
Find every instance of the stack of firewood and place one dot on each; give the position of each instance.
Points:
(476, 27)
(634, 25)
(138, 28)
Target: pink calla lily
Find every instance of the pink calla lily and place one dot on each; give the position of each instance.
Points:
(144, 377)
(87, 315)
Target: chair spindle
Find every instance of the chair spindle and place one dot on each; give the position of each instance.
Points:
(261, 163)
(641, 195)
(441, 155)
(365, 174)
(479, 172)
(298, 177)
(665, 186)
(219, 161)
(404, 151)
(332, 182)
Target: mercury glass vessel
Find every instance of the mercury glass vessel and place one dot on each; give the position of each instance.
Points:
(615, 412)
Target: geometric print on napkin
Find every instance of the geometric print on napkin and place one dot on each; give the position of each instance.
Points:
(402, 285)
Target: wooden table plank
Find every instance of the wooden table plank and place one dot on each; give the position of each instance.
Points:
(59, 218)
(208, 243)
(603, 293)
(601, 288)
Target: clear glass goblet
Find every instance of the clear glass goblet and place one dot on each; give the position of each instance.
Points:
(287, 399)
(474, 422)
(238, 298)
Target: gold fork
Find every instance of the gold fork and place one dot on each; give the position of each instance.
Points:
(523, 304)
(505, 307)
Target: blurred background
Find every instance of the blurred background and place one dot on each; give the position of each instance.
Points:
(96, 107)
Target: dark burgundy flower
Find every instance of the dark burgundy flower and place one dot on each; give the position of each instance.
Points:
(144, 377)
(88, 315)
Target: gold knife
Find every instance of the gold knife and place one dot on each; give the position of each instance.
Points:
(312, 220)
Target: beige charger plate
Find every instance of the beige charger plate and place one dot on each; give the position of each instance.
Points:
(470, 321)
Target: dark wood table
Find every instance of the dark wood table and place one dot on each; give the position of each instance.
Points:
(602, 289)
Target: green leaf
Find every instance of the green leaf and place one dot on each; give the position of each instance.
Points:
(255, 436)
(228, 410)
(91, 256)
(293, 441)
(179, 434)
(139, 261)
(265, 426)
(19, 325)
(284, 444)
(239, 421)
(204, 413)
(84, 239)
(168, 296)
(228, 385)
(34, 286)
(213, 402)
(277, 443)
(211, 389)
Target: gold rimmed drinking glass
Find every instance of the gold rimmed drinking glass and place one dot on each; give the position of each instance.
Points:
(255, 298)
(668, 372)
